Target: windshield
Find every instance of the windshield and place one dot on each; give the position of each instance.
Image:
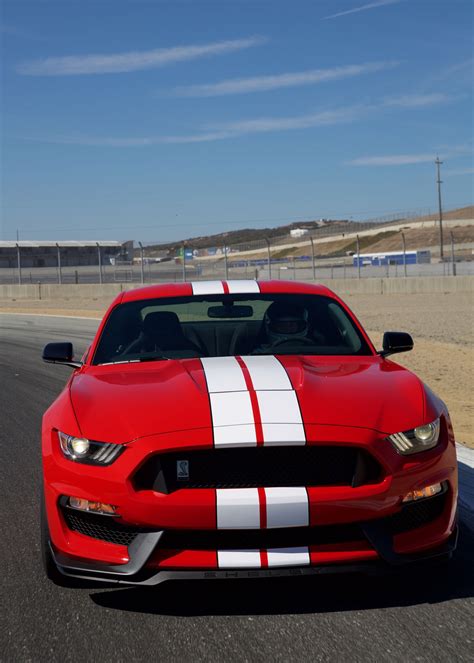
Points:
(226, 325)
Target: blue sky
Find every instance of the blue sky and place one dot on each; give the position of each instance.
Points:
(160, 120)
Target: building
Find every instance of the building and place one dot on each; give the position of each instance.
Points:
(392, 258)
(298, 232)
(70, 253)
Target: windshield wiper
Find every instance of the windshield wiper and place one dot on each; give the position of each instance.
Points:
(154, 358)
(137, 360)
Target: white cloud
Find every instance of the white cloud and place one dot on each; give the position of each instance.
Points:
(144, 141)
(453, 152)
(393, 160)
(265, 83)
(237, 128)
(417, 100)
(265, 124)
(363, 8)
(133, 61)
(460, 171)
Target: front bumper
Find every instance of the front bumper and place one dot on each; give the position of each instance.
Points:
(176, 535)
(136, 572)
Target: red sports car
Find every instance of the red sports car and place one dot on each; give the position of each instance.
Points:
(228, 429)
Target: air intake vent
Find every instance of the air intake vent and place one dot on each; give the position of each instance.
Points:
(258, 466)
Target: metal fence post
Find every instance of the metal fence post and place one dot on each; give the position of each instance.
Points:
(184, 262)
(294, 268)
(312, 259)
(100, 262)
(18, 256)
(142, 262)
(404, 254)
(358, 256)
(269, 258)
(226, 266)
(60, 276)
(453, 263)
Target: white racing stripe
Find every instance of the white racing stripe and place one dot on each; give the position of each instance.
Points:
(234, 419)
(207, 287)
(231, 408)
(248, 559)
(223, 374)
(281, 418)
(266, 373)
(237, 508)
(238, 559)
(240, 508)
(287, 507)
(288, 557)
(243, 287)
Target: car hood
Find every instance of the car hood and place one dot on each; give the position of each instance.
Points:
(123, 402)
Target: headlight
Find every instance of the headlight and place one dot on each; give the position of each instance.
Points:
(81, 450)
(418, 439)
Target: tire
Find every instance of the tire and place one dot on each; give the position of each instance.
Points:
(49, 565)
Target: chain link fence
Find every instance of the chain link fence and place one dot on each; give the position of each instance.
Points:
(387, 247)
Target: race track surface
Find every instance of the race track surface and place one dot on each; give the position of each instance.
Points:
(427, 616)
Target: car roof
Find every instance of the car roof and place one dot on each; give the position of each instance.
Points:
(186, 289)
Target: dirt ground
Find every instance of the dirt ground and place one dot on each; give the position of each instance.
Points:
(441, 325)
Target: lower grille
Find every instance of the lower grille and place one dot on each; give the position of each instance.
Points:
(259, 538)
(417, 514)
(105, 528)
(258, 466)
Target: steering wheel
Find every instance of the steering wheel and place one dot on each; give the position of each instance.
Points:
(282, 341)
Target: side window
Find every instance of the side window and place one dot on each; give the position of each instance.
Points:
(347, 333)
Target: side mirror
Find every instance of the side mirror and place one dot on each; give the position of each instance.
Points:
(394, 342)
(60, 353)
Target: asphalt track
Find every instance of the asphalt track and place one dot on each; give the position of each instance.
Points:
(423, 616)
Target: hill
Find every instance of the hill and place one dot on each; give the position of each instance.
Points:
(317, 228)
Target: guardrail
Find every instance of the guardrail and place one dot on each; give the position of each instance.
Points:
(372, 286)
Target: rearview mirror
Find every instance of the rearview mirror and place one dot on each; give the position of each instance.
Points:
(394, 342)
(230, 311)
(60, 353)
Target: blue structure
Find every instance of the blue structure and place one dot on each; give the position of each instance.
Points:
(392, 258)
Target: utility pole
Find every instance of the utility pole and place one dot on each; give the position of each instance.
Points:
(312, 258)
(142, 263)
(226, 266)
(358, 256)
(404, 255)
(99, 257)
(18, 259)
(184, 262)
(439, 182)
(269, 257)
(453, 263)
(60, 276)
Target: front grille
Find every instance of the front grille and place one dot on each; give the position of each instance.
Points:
(258, 466)
(105, 528)
(259, 538)
(417, 514)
